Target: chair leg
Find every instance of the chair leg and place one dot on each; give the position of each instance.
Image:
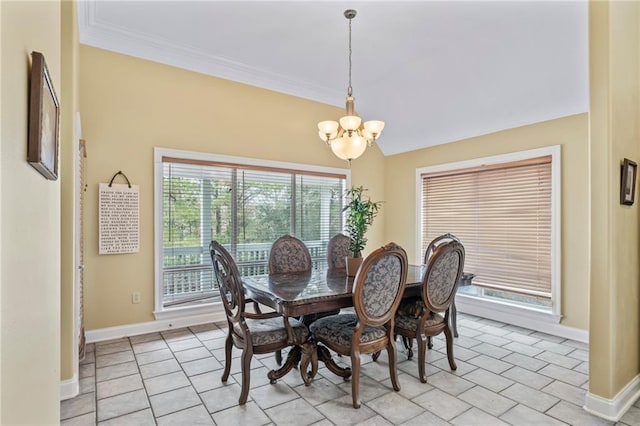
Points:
(393, 364)
(279, 357)
(454, 316)
(228, 346)
(408, 345)
(429, 342)
(422, 357)
(355, 379)
(246, 356)
(449, 336)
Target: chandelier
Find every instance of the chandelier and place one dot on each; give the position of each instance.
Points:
(350, 137)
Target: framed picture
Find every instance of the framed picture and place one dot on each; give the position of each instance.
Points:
(44, 120)
(628, 182)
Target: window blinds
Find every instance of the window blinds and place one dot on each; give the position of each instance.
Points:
(245, 208)
(502, 215)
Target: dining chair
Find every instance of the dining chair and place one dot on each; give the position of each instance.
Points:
(433, 245)
(429, 315)
(253, 333)
(337, 251)
(289, 254)
(377, 290)
(409, 304)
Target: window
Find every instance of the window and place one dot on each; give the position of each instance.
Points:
(245, 205)
(504, 210)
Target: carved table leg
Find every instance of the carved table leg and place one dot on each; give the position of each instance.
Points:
(325, 356)
(293, 358)
(309, 356)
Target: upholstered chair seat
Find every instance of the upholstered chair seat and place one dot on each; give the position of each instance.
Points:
(340, 329)
(409, 322)
(267, 331)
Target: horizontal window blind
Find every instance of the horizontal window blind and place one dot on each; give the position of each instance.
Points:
(245, 208)
(502, 215)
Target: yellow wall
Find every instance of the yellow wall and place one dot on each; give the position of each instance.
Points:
(1, 237)
(615, 257)
(69, 143)
(30, 244)
(130, 106)
(571, 134)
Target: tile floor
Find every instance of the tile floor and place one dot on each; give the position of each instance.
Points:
(505, 375)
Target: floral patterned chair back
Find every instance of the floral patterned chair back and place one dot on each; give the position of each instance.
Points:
(444, 269)
(289, 254)
(379, 285)
(337, 250)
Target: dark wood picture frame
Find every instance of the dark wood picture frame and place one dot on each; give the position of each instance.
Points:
(628, 182)
(44, 120)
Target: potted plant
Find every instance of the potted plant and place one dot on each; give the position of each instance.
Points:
(360, 213)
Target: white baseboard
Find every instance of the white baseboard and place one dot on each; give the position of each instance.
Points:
(69, 388)
(613, 409)
(110, 333)
(538, 321)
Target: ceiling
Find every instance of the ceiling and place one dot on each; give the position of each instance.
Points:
(434, 71)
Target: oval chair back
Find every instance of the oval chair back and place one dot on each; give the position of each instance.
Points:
(289, 254)
(337, 251)
(379, 285)
(440, 282)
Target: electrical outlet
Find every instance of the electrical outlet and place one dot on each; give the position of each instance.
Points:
(135, 297)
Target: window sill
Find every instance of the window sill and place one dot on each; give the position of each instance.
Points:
(532, 319)
(510, 313)
(213, 309)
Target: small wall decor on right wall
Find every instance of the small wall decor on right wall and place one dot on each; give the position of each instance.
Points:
(628, 182)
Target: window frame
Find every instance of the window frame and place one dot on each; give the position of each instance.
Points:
(556, 232)
(161, 312)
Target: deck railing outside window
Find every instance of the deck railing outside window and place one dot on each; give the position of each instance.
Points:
(188, 276)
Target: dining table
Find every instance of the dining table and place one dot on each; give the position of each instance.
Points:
(309, 295)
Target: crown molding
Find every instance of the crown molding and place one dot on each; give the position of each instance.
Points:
(120, 40)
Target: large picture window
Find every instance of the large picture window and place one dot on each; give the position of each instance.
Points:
(503, 212)
(245, 205)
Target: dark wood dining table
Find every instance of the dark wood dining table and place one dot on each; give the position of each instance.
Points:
(307, 294)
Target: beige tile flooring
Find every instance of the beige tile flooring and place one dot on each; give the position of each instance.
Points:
(505, 375)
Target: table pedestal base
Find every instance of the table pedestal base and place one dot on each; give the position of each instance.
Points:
(304, 355)
(321, 353)
(307, 356)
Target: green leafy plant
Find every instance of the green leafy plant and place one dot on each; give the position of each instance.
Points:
(360, 213)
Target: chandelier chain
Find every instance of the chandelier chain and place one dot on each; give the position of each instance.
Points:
(349, 89)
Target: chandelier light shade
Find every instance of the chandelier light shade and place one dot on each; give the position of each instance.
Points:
(349, 137)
